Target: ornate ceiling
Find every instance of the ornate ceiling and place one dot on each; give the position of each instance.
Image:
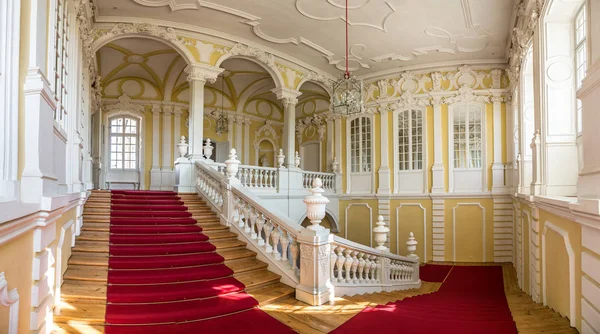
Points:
(384, 34)
(149, 70)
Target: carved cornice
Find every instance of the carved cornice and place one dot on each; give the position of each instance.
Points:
(199, 72)
(465, 94)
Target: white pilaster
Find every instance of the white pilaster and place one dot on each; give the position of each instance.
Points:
(167, 174)
(177, 112)
(289, 99)
(536, 184)
(38, 178)
(246, 159)
(239, 122)
(198, 75)
(337, 152)
(497, 166)
(384, 169)
(439, 243)
(438, 166)
(155, 173)
(329, 149)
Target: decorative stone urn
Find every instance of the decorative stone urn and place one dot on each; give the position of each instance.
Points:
(380, 233)
(315, 205)
(411, 245)
(208, 149)
(182, 146)
(335, 166)
(233, 164)
(280, 158)
(297, 160)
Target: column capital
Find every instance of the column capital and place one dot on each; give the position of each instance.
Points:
(204, 73)
(156, 109)
(177, 110)
(437, 98)
(167, 109)
(287, 95)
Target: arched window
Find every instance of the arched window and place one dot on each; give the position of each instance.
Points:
(124, 141)
(360, 145)
(410, 140)
(467, 122)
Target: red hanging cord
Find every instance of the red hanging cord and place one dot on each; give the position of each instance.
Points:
(347, 74)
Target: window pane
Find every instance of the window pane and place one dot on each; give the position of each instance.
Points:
(417, 139)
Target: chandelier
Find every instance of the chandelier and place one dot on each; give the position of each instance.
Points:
(222, 121)
(347, 98)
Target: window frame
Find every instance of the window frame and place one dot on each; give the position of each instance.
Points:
(361, 135)
(580, 46)
(123, 135)
(60, 26)
(411, 136)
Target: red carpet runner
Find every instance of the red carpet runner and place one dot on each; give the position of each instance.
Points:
(471, 300)
(165, 276)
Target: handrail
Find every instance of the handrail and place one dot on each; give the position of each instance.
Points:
(349, 266)
(328, 179)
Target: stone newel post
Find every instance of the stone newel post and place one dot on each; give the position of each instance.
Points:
(381, 234)
(411, 245)
(315, 287)
(280, 158)
(208, 149)
(316, 204)
(233, 165)
(182, 146)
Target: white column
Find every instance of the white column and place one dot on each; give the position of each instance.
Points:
(337, 152)
(384, 169)
(438, 166)
(177, 112)
(329, 143)
(247, 122)
(198, 75)
(497, 166)
(155, 173)
(167, 175)
(239, 121)
(289, 99)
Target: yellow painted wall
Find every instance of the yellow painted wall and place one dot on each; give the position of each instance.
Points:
(16, 261)
(470, 219)
(23, 65)
(557, 265)
(358, 220)
(408, 216)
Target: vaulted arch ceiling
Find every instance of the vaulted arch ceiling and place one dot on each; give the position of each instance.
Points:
(384, 34)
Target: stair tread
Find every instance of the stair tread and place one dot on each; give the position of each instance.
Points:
(90, 312)
(91, 246)
(246, 264)
(270, 293)
(257, 278)
(94, 236)
(236, 253)
(85, 259)
(227, 243)
(86, 273)
(219, 234)
(74, 290)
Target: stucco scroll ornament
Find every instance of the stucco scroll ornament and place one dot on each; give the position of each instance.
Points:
(324, 254)
(240, 49)
(383, 88)
(314, 76)
(125, 104)
(437, 78)
(167, 33)
(408, 100)
(465, 94)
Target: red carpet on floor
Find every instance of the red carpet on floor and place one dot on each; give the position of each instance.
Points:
(165, 276)
(471, 300)
(434, 273)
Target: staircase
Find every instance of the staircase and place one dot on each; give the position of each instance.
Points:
(532, 317)
(83, 294)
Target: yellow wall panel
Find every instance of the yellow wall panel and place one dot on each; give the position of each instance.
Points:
(430, 139)
(470, 216)
(359, 216)
(445, 145)
(557, 264)
(489, 124)
(411, 216)
(16, 261)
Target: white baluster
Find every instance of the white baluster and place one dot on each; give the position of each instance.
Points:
(260, 221)
(340, 263)
(368, 278)
(354, 267)
(374, 268)
(361, 267)
(348, 265)
(253, 216)
(285, 241)
(275, 238)
(333, 260)
(294, 253)
(268, 228)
